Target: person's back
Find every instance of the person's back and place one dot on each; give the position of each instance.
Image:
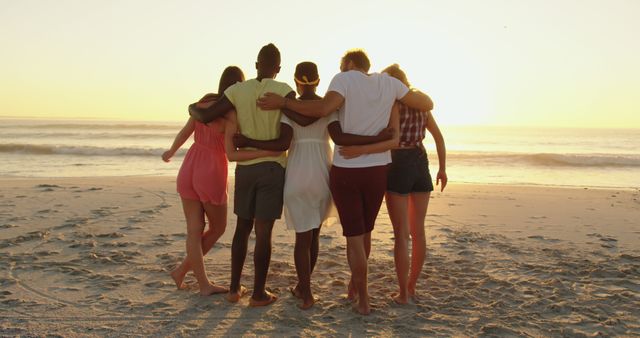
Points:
(366, 110)
(259, 182)
(210, 136)
(254, 122)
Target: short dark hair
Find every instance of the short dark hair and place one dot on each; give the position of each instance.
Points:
(269, 56)
(307, 73)
(230, 76)
(358, 57)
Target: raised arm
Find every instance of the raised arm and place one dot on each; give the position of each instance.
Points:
(394, 126)
(181, 138)
(432, 127)
(313, 108)
(417, 100)
(208, 114)
(281, 143)
(234, 154)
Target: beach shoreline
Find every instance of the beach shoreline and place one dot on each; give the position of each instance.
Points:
(90, 256)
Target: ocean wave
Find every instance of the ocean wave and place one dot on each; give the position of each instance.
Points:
(549, 159)
(465, 158)
(34, 149)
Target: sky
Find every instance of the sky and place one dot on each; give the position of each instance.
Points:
(550, 63)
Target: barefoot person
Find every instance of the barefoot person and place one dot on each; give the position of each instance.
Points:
(259, 182)
(307, 199)
(202, 185)
(409, 187)
(357, 185)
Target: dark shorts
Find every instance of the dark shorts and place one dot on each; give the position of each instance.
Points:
(258, 191)
(409, 172)
(357, 194)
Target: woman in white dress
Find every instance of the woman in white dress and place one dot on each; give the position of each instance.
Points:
(307, 199)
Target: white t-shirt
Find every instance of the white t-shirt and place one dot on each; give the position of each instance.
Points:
(368, 100)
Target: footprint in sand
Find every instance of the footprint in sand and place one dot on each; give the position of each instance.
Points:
(155, 284)
(608, 242)
(111, 235)
(47, 187)
(99, 213)
(83, 245)
(46, 253)
(72, 223)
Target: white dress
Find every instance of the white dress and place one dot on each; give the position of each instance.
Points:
(307, 198)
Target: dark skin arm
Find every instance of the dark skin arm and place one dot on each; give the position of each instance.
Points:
(281, 143)
(298, 118)
(345, 139)
(217, 110)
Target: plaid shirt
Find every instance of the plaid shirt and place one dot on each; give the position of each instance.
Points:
(413, 124)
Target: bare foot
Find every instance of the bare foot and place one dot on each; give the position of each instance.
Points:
(296, 292)
(212, 289)
(411, 290)
(401, 300)
(270, 298)
(413, 296)
(307, 303)
(364, 310)
(234, 297)
(178, 278)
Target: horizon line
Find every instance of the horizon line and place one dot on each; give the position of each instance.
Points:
(487, 125)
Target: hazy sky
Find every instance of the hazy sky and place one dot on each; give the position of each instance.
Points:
(514, 62)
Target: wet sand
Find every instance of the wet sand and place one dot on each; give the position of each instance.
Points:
(91, 256)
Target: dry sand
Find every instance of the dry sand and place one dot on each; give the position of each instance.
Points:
(90, 257)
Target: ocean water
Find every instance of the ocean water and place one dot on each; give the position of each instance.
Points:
(528, 156)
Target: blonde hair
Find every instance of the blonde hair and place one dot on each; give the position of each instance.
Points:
(359, 58)
(395, 71)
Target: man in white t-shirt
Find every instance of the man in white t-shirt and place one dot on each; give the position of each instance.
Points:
(364, 103)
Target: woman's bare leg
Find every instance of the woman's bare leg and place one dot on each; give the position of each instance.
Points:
(194, 215)
(217, 216)
(305, 262)
(418, 204)
(397, 206)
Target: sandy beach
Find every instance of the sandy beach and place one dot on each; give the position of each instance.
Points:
(91, 256)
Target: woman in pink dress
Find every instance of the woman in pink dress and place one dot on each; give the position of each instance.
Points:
(202, 185)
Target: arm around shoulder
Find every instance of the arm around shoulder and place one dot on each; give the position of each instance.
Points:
(417, 100)
(312, 108)
(219, 109)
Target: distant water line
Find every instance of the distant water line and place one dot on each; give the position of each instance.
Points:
(574, 157)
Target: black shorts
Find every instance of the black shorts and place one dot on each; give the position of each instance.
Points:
(259, 191)
(409, 171)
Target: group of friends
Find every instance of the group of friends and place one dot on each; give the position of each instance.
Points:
(377, 124)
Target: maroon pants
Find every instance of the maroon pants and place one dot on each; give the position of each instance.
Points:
(358, 194)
